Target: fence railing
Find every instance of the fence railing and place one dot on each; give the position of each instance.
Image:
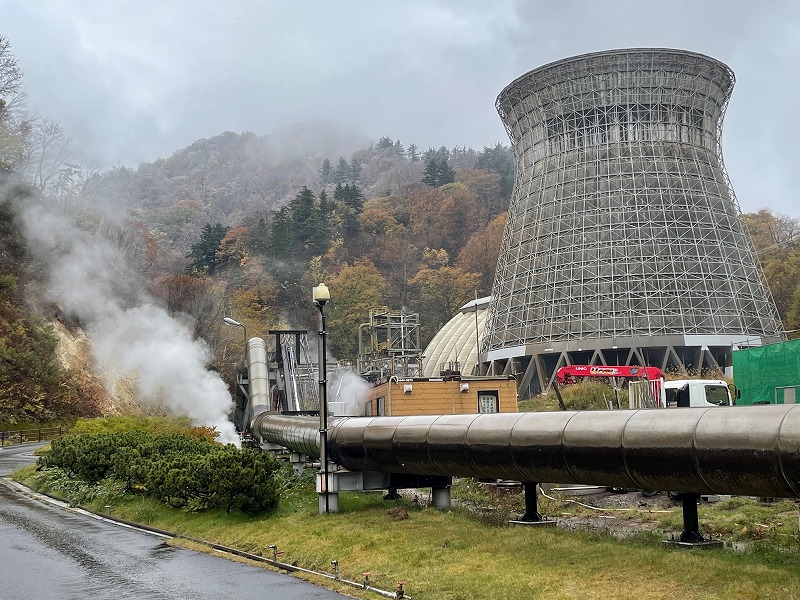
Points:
(24, 436)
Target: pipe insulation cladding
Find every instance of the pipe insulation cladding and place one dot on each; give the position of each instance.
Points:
(753, 450)
(299, 433)
(257, 370)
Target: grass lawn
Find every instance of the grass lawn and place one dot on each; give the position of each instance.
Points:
(461, 554)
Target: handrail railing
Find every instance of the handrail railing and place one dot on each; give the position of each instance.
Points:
(24, 436)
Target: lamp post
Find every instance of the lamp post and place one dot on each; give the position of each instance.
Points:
(238, 408)
(230, 321)
(321, 296)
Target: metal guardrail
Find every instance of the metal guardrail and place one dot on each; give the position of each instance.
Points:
(24, 436)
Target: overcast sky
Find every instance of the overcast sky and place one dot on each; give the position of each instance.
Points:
(135, 80)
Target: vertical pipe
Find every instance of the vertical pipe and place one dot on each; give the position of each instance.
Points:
(323, 407)
(477, 339)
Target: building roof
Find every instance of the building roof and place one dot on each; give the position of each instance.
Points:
(457, 341)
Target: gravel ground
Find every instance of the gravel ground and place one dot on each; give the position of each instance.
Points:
(606, 511)
(613, 512)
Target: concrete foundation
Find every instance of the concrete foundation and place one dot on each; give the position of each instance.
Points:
(545, 522)
(703, 545)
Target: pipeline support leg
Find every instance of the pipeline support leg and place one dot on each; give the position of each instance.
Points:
(327, 491)
(441, 498)
(532, 518)
(691, 524)
(531, 509)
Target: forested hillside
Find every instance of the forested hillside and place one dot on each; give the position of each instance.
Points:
(236, 225)
(226, 226)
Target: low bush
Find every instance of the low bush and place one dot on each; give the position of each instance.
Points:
(182, 471)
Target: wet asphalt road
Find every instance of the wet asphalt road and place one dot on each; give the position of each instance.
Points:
(47, 552)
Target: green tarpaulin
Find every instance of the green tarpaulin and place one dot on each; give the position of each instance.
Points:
(767, 374)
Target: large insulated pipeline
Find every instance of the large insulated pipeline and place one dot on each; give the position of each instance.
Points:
(747, 450)
(297, 432)
(258, 378)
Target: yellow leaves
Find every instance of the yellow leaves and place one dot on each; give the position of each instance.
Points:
(435, 258)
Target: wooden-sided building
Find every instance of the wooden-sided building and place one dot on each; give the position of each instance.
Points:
(404, 396)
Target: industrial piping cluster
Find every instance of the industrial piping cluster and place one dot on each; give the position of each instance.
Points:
(745, 450)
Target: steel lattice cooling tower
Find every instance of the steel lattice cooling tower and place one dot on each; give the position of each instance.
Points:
(624, 243)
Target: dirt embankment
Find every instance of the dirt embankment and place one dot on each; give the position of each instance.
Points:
(74, 352)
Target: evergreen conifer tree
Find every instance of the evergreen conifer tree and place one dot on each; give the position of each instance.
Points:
(325, 171)
(430, 175)
(355, 170)
(438, 173)
(500, 159)
(204, 252)
(342, 172)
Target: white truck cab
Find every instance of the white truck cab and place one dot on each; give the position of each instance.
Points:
(696, 393)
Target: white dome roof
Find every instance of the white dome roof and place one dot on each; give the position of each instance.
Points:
(457, 341)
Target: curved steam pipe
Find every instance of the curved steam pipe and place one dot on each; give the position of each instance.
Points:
(752, 450)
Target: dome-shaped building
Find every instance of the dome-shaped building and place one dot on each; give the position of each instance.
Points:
(455, 347)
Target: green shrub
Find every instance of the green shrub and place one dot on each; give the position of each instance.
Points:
(87, 457)
(243, 479)
(184, 472)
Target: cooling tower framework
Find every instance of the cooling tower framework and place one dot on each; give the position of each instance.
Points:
(624, 243)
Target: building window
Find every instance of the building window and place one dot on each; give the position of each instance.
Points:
(488, 401)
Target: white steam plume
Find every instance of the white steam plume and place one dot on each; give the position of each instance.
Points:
(348, 393)
(131, 335)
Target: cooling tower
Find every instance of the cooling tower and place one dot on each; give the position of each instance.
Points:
(624, 243)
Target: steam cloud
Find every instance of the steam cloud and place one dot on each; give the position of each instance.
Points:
(348, 393)
(131, 335)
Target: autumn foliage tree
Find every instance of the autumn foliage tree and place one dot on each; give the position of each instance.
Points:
(33, 385)
(439, 291)
(354, 292)
(445, 217)
(480, 253)
(195, 298)
(777, 242)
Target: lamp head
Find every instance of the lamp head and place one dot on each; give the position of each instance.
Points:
(230, 321)
(321, 295)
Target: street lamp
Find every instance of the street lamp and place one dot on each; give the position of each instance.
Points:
(230, 321)
(321, 296)
(238, 410)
